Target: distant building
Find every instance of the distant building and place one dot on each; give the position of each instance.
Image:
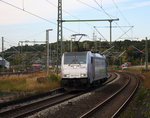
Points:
(4, 63)
(36, 67)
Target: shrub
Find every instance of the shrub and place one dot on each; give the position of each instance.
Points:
(141, 95)
(53, 77)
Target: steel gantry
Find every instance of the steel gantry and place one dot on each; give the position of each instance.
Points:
(92, 20)
(59, 32)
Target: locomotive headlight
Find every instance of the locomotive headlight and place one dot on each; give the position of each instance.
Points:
(83, 75)
(66, 75)
(74, 67)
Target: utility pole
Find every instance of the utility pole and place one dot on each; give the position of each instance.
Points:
(47, 42)
(99, 44)
(3, 54)
(71, 44)
(146, 54)
(59, 33)
(94, 39)
(110, 21)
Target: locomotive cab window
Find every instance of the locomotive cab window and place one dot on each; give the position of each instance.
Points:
(92, 60)
(75, 58)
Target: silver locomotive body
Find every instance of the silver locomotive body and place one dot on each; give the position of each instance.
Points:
(79, 70)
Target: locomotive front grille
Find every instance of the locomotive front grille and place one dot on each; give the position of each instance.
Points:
(74, 76)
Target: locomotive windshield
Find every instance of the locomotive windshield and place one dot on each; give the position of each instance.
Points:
(75, 58)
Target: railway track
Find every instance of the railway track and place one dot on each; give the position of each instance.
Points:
(78, 108)
(17, 73)
(33, 107)
(38, 105)
(113, 105)
(14, 103)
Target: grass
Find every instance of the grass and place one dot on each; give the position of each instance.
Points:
(142, 100)
(141, 103)
(128, 113)
(146, 81)
(29, 82)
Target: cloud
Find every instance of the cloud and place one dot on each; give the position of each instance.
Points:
(11, 15)
(141, 4)
(137, 5)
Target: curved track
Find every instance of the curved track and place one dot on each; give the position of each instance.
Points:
(38, 105)
(33, 107)
(112, 106)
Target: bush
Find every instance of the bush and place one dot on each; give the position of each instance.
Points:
(53, 77)
(141, 95)
(144, 70)
(42, 79)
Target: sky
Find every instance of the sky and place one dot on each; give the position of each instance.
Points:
(17, 23)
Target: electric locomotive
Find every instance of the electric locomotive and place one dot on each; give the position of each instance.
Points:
(80, 70)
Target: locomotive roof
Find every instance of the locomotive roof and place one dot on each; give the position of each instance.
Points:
(84, 53)
(98, 55)
(74, 53)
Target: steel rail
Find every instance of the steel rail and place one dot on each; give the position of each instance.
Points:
(32, 108)
(96, 108)
(29, 112)
(16, 73)
(46, 106)
(32, 97)
(117, 113)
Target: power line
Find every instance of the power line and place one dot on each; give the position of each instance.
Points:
(111, 17)
(62, 10)
(11, 46)
(112, 26)
(89, 5)
(103, 8)
(35, 15)
(101, 11)
(68, 13)
(124, 33)
(34, 35)
(28, 12)
(120, 12)
(100, 33)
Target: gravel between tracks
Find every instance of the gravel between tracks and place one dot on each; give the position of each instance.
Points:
(77, 106)
(110, 108)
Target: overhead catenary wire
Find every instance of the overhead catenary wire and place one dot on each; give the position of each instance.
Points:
(115, 4)
(68, 13)
(35, 15)
(27, 12)
(124, 33)
(101, 11)
(113, 26)
(34, 35)
(62, 10)
(110, 17)
(11, 46)
(103, 8)
(100, 33)
(89, 5)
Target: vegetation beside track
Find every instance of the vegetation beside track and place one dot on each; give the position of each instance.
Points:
(140, 105)
(22, 85)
